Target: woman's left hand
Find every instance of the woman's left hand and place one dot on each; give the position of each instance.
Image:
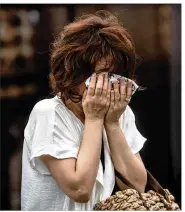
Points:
(120, 98)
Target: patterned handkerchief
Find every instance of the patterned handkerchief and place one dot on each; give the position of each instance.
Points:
(115, 77)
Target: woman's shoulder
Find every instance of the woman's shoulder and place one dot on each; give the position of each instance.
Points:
(45, 112)
(47, 107)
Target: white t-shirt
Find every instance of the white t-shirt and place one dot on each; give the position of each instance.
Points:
(53, 129)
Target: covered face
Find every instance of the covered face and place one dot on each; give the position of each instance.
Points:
(93, 43)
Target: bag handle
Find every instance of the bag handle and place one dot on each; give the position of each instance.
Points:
(151, 182)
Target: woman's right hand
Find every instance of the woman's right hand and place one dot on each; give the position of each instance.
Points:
(96, 99)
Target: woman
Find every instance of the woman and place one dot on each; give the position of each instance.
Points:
(61, 168)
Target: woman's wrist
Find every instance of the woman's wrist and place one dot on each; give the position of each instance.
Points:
(94, 121)
(111, 125)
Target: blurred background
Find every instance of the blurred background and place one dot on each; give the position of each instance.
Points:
(26, 32)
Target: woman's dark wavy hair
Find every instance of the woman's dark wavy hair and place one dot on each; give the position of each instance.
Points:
(84, 42)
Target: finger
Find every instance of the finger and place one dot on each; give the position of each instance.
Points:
(116, 92)
(112, 99)
(105, 86)
(92, 86)
(109, 93)
(123, 91)
(109, 89)
(99, 85)
(129, 92)
(84, 95)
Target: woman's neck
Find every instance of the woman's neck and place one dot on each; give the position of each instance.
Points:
(76, 108)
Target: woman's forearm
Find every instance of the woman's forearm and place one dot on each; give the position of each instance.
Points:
(123, 158)
(89, 155)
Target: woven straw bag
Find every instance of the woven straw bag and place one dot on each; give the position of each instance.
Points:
(156, 198)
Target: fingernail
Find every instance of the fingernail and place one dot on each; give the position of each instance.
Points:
(122, 81)
(126, 80)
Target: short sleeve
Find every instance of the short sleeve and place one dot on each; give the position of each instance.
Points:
(52, 135)
(133, 136)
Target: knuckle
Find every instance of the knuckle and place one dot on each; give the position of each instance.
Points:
(108, 101)
(102, 103)
(104, 90)
(129, 84)
(91, 88)
(98, 89)
(93, 99)
(105, 101)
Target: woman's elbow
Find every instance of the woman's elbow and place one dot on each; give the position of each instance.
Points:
(77, 190)
(141, 181)
(144, 179)
(81, 195)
